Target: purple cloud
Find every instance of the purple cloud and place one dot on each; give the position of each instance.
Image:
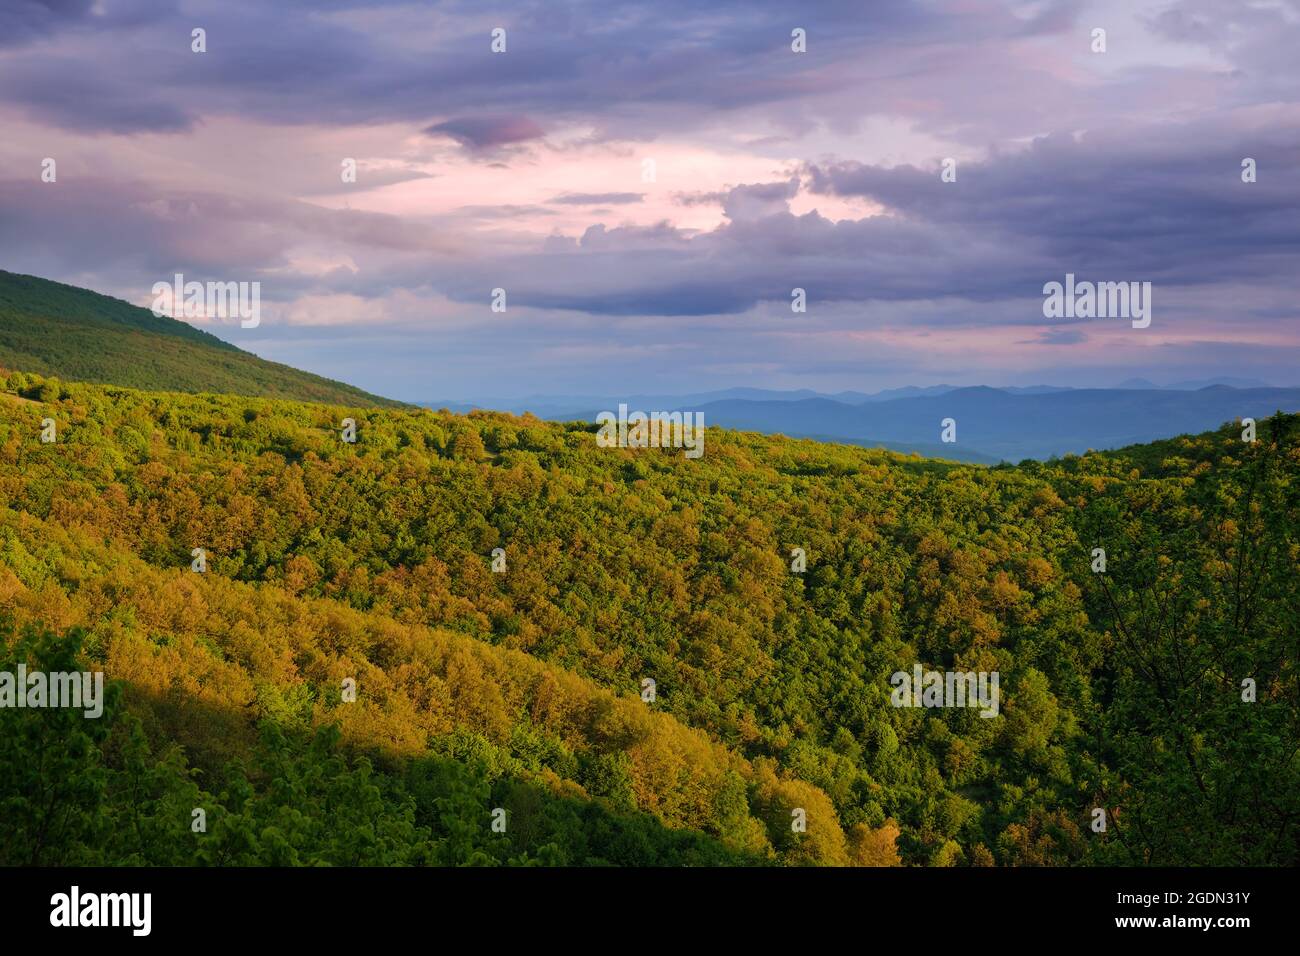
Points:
(487, 132)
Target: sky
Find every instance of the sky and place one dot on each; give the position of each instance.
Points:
(649, 181)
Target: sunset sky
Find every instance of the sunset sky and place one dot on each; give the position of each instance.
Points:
(524, 170)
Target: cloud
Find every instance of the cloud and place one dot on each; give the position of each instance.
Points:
(1162, 204)
(487, 132)
(598, 199)
(776, 171)
(60, 90)
(156, 233)
(25, 21)
(369, 178)
(640, 68)
(1057, 337)
(759, 200)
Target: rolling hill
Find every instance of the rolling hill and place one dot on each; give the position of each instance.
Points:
(391, 640)
(60, 330)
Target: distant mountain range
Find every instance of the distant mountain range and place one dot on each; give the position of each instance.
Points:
(569, 407)
(992, 424)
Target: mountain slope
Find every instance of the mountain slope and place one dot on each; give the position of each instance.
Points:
(773, 679)
(54, 329)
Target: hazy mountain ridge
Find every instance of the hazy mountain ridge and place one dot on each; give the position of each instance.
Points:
(992, 424)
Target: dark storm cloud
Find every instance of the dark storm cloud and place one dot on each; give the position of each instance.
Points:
(60, 91)
(317, 63)
(1168, 208)
(25, 21)
(1166, 203)
(665, 271)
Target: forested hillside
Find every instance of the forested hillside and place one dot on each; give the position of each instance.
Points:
(60, 330)
(521, 687)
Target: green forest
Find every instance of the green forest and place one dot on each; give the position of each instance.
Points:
(391, 646)
(61, 330)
